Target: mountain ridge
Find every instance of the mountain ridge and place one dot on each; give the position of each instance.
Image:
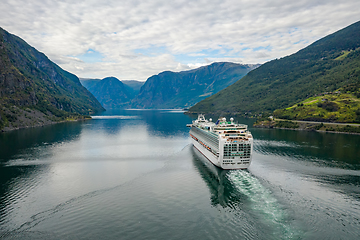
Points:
(183, 89)
(169, 89)
(280, 83)
(112, 92)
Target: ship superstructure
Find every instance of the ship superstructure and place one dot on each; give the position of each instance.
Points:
(227, 145)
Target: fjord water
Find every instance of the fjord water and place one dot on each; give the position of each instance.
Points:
(133, 174)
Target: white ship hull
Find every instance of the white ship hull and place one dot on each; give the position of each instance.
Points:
(207, 154)
(218, 161)
(225, 144)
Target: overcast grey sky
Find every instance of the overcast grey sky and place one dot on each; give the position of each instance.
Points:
(139, 38)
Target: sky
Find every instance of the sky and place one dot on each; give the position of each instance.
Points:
(135, 39)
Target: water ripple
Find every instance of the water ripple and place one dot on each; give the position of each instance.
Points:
(116, 117)
(263, 203)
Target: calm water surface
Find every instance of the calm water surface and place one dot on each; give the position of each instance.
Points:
(134, 174)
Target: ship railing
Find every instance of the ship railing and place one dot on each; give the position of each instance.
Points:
(237, 138)
(227, 128)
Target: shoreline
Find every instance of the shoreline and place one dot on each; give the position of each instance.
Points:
(321, 131)
(21, 118)
(7, 129)
(324, 127)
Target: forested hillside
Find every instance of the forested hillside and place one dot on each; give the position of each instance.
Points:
(324, 66)
(35, 91)
(342, 105)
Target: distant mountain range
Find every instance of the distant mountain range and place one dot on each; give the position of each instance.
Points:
(133, 87)
(184, 89)
(167, 89)
(327, 65)
(35, 91)
(111, 92)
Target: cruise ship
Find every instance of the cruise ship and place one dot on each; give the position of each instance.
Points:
(225, 144)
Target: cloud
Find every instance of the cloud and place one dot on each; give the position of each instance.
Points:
(135, 39)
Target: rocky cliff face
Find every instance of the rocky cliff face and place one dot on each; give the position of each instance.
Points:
(29, 80)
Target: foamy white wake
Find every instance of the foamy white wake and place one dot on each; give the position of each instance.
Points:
(264, 204)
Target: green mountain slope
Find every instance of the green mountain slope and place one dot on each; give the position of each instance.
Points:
(342, 105)
(324, 66)
(184, 89)
(110, 92)
(35, 91)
